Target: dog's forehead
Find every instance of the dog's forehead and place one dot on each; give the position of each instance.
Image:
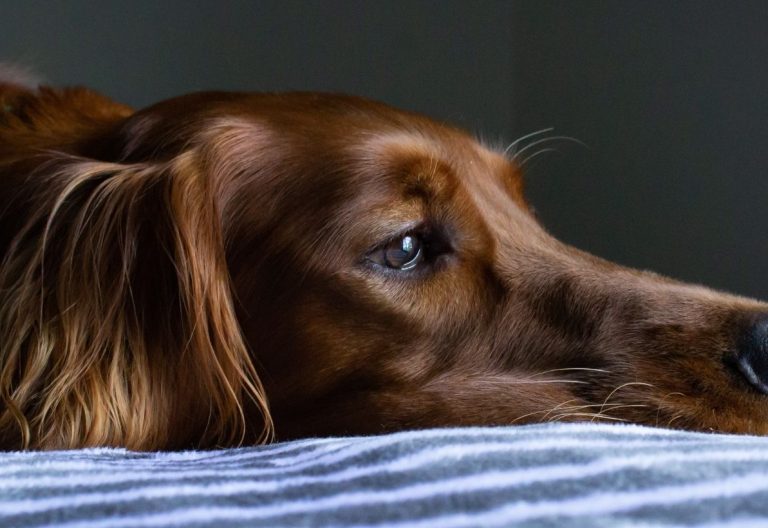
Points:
(405, 162)
(435, 159)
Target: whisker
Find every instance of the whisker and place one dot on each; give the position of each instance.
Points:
(532, 144)
(559, 406)
(611, 405)
(623, 385)
(535, 154)
(593, 416)
(600, 413)
(516, 142)
(537, 382)
(676, 417)
(663, 400)
(547, 411)
(564, 407)
(569, 369)
(624, 405)
(526, 416)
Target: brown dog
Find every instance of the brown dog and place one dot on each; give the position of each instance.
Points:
(167, 272)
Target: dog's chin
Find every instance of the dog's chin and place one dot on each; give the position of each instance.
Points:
(679, 389)
(693, 404)
(741, 412)
(714, 420)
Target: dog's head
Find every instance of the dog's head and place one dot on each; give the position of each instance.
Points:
(363, 269)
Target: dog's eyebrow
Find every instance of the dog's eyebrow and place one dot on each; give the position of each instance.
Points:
(419, 162)
(400, 143)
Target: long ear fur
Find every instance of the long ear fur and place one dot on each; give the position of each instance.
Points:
(117, 324)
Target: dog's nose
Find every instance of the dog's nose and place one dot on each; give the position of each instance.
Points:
(752, 353)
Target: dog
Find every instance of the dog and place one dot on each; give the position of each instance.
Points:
(223, 269)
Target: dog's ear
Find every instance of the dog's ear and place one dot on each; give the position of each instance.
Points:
(52, 119)
(118, 325)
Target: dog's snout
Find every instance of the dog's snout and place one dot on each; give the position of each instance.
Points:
(752, 353)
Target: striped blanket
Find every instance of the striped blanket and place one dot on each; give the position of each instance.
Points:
(543, 475)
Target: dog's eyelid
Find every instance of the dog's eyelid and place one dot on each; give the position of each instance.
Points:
(382, 235)
(424, 241)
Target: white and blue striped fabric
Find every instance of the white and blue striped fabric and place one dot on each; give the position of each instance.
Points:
(551, 475)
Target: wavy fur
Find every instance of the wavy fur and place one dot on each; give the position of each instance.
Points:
(118, 326)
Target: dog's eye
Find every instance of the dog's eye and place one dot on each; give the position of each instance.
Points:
(403, 253)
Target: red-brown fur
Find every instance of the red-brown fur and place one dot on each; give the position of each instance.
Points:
(204, 272)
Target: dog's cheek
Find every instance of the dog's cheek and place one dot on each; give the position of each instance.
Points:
(330, 339)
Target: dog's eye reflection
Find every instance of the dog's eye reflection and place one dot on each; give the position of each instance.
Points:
(403, 253)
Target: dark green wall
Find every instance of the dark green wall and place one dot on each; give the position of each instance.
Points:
(668, 96)
(671, 99)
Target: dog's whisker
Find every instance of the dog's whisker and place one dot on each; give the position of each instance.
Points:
(675, 417)
(663, 400)
(572, 410)
(571, 369)
(538, 382)
(547, 412)
(600, 413)
(522, 417)
(622, 386)
(534, 155)
(557, 407)
(519, 140)
(541, 141)
(611, 405)
(592, 416)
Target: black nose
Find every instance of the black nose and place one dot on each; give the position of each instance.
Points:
(752, 353)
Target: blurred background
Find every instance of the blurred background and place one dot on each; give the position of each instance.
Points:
(668, 97)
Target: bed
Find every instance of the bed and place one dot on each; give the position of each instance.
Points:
(556, 475)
